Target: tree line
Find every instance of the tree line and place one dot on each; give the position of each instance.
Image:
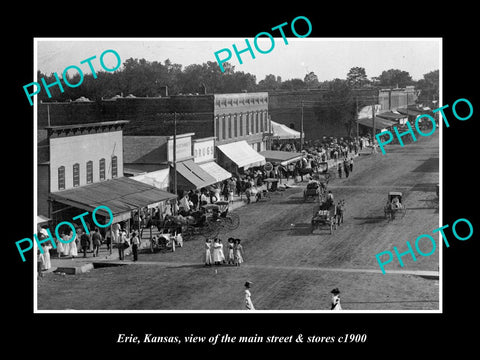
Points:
(142, 78)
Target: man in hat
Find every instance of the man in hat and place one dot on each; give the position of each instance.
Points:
(336, 300)
(248, 299)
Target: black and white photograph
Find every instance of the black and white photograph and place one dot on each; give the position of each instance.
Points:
(217, 180)
(173, 174)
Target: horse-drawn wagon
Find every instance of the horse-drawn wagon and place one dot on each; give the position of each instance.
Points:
(325, 216)
(395, 205)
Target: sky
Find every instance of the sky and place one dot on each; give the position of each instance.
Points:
(328, 58)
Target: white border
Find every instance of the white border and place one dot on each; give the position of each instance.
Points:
(35, 108)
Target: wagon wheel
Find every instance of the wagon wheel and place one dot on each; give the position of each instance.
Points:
(210, 229)
(231, 221)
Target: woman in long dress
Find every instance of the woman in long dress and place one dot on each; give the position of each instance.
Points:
(59, 245)
(66, 245)
(222, 255)
(230, 255)
(46, 264)
(248, 297)
(217, 256)
(208, 253)
(238, 252)
(73, 245)
(336, 299)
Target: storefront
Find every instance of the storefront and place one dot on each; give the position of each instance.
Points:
(238, 156)
(203, 155)
(121, 195)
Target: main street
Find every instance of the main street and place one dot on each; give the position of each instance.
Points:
(291, 268)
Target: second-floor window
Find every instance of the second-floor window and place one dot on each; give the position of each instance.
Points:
(114, 167)
(101, 168)
(89, 172)
(61, 178)
(76, 175)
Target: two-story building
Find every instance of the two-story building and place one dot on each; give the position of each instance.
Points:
(80, 167)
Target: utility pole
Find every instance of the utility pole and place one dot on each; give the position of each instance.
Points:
(175, 156)
(356, 114)
(301, 129)
(373, 118)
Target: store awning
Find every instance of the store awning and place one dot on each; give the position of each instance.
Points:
(42, 219)
(192, 176)
(281, 131)
(120, 195)
(411, 112)
(389, 115)
(281, 157)
(379, 122)
(242, 154)
(216, 171)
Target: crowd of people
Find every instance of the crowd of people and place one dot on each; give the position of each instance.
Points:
(214, 252)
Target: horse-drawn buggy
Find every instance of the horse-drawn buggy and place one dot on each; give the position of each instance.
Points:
(209, 220)
(325, 216)
(314, 190)
(169, 239)
(395, 205)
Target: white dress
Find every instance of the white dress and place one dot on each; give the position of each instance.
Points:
(248, 300)
(217, 256)
(73, 247)
(66, 246)
(336, 303)
(46, 264)
(208, 254)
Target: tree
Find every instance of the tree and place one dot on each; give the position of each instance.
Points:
(429, 87)
(311, 80)
(292, 84)
(394, 78)
(357, 77)
(337, 104)
(271, 82)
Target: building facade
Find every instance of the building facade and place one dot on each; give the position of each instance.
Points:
(242, 116)
(72, 156)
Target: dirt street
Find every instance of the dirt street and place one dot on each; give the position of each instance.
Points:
(291, 268)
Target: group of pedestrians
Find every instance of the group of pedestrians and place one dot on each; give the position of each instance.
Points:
(215, 255)
(346, 166)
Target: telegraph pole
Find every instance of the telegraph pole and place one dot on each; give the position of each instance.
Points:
(301, 129)
(175, 156)
(373, 118)
(356, 114)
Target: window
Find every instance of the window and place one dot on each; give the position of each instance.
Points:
(257, 129)
(230, 125)
(217, 127)
(89, 172)
(76, 175)
(114, 167)
(240, 118)
(224, 130)
(61, 178)
(101, 166)
(235, 125)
